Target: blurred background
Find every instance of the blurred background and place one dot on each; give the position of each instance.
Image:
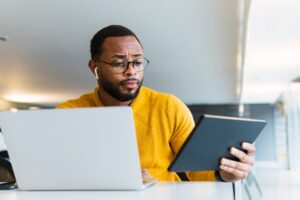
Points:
(235, 58)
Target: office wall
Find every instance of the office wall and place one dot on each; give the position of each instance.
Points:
(266, 143)
(192, 46)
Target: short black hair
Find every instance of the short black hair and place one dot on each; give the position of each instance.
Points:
(109, 31)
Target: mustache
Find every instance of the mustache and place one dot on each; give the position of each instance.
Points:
(130, 79)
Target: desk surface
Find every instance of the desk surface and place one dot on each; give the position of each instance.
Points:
(162, 190)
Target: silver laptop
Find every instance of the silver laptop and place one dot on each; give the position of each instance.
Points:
(74, 149)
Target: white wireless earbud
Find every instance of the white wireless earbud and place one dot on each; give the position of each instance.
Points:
(96, 72)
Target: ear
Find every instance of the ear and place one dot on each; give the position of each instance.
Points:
(92, 65)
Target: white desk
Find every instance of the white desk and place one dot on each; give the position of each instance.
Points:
(160, 191)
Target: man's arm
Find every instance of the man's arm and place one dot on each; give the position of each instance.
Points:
(229, 170)
(183, 126)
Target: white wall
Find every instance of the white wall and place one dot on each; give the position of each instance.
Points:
(191, 44)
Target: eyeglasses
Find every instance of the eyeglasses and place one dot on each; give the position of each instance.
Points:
(121, 66)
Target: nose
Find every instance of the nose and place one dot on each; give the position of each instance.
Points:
(130, 71)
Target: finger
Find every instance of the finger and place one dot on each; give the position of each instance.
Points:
(145, 174)
(250, 148)
(236, 165)
(237, 174)
(242, 156)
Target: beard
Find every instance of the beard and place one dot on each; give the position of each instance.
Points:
(115, 91)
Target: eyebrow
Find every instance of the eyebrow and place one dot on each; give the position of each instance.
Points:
(124, 56)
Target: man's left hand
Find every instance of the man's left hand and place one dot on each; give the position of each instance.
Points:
(238, 170)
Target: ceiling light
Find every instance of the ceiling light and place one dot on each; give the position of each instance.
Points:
(34, 108)
(26, 98)
(14, 110)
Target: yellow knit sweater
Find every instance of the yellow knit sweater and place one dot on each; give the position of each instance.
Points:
(162, 125)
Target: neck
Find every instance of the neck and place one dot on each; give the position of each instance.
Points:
(108, 100)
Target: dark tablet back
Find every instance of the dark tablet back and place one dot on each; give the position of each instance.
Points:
(211, 139)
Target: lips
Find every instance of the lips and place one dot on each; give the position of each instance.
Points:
(130, 84)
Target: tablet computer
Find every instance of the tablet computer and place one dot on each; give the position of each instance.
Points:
(211, 139)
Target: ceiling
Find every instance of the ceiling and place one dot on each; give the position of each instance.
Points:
(273, 49)
(192, 46)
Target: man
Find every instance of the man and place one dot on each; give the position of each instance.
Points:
(162, 121)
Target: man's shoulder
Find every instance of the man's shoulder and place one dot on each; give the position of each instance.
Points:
(156, 95)
(86, 100)
(160, 97)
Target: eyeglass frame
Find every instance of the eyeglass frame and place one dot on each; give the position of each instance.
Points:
(126, 61)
